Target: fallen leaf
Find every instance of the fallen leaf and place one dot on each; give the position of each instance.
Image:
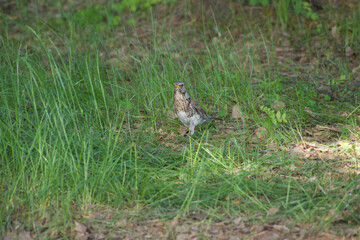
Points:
(281, 228)
(238, 220)
(142, 228)
(333, 215)
(182, 131)
(81, 236)
(278, 105)
(257, 228)
(349, 232)
(121, 223)
(10, 236)
(159, 224)
(297, 151)
(273, 211)
(261, 133)
(292, 167)
(352, 137)
(309, 112)
(235, 238)
(240, 224)
(285, 43)
(343, 114)
(266, 235)
(312, 179)
(314, 63)
(356, 69)
(181, 228)
(79, 227)
(97, 236)
(303, 60)
(89, 216)
(348, 51)
(182, 236)
(324, 88)
(236, 113)
(229, 131)
(24, 235)
(174, 223)
(334, 32)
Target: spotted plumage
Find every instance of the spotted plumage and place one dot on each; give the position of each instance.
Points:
(187, 109)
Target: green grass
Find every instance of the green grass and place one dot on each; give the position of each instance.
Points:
(77, 130)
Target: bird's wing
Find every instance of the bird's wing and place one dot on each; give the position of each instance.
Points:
(197, 108)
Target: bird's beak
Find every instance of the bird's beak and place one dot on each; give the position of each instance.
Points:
(177, 86)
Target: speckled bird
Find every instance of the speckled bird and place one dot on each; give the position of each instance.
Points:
(187, 109)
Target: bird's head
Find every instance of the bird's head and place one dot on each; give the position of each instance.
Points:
(179, 87)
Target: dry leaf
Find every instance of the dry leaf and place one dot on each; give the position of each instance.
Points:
(159, 224)
(142, 228)
(236, 113)
(240, 223)
(286, 43)
(79, 227)
(182, 131)
(98, 236)
(292, 167)
(297, 151)
(182, 228)
(182, 236)
(343, 114)
(273, 211)
(351, 231)
(278, 105)
(281, 228)
(235, 238)
(238, 220)
(229, 131)
(10, 236)
(334, 215)
(352, 137)
(348, 51)
(257, 228)
(324, 88)
(303, 60)
(334, 32)
(174, 222)
(24, 235)
(312, 179)
(356, 69)
(266, 235)
(81, 236)
(261, 133)
(309, 112)
(121, 223)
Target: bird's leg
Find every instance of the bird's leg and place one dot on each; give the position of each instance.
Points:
(192, 129)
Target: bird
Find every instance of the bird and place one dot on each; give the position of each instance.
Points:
(187, 109)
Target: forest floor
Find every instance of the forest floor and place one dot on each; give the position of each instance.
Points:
(92, 148)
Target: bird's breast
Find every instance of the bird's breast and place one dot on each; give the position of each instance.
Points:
(180, 103)
(183, 118)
